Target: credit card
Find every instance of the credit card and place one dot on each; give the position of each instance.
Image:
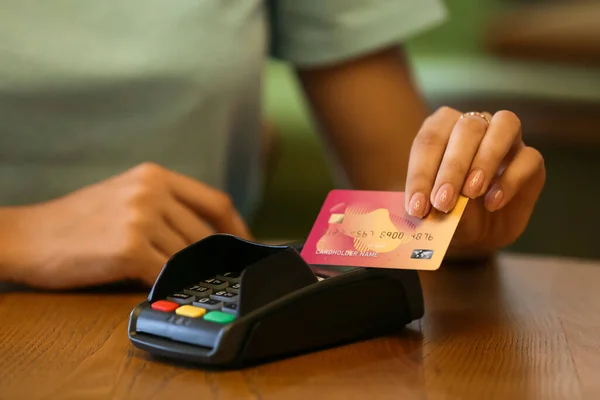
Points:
(363, 228)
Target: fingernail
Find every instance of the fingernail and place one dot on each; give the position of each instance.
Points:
(494, 199)
(417, 205)
(474, 183)
(444, 198)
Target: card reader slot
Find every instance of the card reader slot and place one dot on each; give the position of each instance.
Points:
(181, 329)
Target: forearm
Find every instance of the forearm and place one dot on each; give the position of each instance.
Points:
(371, 112)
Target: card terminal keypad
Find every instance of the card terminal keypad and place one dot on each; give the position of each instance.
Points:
(202, 307)
(231, 277)
(214, 284)
(181, 298)
(213, 295)
(198, 291)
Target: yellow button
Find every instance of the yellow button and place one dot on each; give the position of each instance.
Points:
(190, 311)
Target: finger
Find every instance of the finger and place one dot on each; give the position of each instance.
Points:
(213, 205)
(188, 224)
(526, 164)
(425, 156)
(464, 141)
(144, 264)
(151, 264)
(166, 240)
(499, 145)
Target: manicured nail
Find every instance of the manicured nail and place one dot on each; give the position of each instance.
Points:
(445, 198)
(494, 199)
(474, 183)
(417, 205)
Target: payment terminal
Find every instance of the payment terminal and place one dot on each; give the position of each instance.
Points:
(226, 302)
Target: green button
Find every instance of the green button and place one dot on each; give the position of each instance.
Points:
(219, 317)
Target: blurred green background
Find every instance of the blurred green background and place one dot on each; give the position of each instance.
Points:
(454, 66)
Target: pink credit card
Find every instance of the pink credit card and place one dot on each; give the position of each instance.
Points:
(362, 228)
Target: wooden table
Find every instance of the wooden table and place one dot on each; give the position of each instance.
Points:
(524, 328)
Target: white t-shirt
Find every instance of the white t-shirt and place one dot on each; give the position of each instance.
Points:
(89, 88)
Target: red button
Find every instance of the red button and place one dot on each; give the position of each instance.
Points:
(165, 306)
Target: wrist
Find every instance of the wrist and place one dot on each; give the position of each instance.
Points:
(12, 243)
(468, 258)
(461, 254)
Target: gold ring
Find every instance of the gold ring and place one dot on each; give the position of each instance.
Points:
(476, 114)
